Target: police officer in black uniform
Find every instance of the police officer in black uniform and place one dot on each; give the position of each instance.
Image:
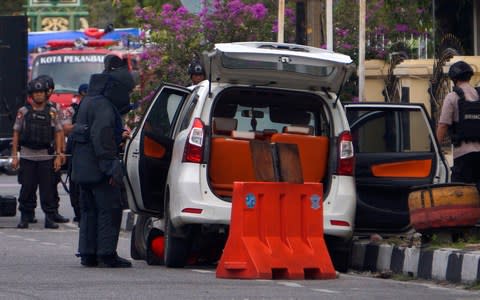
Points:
(97, 167)
(57, 217)
(37, 131)
(196, 72)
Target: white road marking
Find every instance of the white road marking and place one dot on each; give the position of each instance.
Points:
(9, 185)
(289, 284)
(326, 291)
(14, 236)
(48, 244)
(202, 271)
(31, 240)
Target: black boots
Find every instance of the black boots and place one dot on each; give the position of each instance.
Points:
(32, 219)
(23, 222)
(113, 261)
(89, 260)
(49, 222)
(58, 218)
(26, 217)
(103, 261)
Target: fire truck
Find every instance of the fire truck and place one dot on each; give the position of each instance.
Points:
(71, 63)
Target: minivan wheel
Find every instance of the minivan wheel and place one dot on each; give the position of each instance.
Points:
(340, 251)
(140, 233)
(177, 247)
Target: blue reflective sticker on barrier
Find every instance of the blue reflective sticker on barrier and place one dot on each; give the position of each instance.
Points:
(250, 200)
(315, 200)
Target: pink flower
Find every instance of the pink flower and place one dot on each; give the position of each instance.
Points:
(259, 11)
(401, 27)
(166, 8)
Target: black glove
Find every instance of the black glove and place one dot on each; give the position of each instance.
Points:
(113, 169)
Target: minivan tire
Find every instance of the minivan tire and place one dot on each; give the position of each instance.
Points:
(340, 251)
(140, 233)
(176, 248)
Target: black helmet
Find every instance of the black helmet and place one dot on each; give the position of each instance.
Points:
(48, 81)
(83, 88)
(37, 85)
(460, 70)
(112, 62)
(196, 68)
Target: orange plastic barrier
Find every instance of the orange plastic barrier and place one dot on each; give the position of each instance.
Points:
(276, 232)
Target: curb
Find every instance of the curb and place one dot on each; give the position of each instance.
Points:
(128, 220)
(446, 264)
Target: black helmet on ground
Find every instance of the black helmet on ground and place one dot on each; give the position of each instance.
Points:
(196, 68)
(460, 71)
(37, 85)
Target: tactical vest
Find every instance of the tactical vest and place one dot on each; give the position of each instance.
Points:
(38, 132)
(467, 129)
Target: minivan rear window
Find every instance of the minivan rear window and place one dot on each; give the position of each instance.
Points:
(284, 63)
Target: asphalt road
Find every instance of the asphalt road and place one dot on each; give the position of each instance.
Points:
(37, 263)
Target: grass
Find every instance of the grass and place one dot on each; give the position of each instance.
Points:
(474, 286)
(465, 241)
(402, 277)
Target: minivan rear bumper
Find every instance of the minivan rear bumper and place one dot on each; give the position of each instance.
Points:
(186, 194)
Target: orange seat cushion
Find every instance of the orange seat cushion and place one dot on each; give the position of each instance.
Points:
(230, 160)
(313, 151)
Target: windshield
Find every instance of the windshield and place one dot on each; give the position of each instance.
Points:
(67, 70)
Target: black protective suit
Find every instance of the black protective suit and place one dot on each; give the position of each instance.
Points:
(96, 166)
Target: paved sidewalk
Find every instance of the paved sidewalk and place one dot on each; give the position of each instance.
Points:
(452, 265)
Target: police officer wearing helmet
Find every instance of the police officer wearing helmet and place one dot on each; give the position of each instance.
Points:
(460, 116)
(196, 72)
(97, 168)
(37, 131)
(48, 81)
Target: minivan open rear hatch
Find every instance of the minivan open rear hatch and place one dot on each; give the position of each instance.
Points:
(278, 65)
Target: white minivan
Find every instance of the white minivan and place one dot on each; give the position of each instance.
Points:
(193, 143)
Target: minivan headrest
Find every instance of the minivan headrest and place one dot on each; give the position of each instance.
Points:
(224, 126)
(298, 129)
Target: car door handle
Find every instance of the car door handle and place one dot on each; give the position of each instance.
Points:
(136, 152)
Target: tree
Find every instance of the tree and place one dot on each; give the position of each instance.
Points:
(388, 22)
(173, 36)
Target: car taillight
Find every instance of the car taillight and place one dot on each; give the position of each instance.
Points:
(193, 151)
(346, 161)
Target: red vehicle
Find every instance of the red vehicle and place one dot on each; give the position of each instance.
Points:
(70, 64)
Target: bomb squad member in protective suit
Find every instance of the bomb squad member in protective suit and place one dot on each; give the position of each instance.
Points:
(38, 131)
(461, 117)
(97, 168)
(69, 116)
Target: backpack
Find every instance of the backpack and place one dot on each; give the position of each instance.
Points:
(467, 127)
